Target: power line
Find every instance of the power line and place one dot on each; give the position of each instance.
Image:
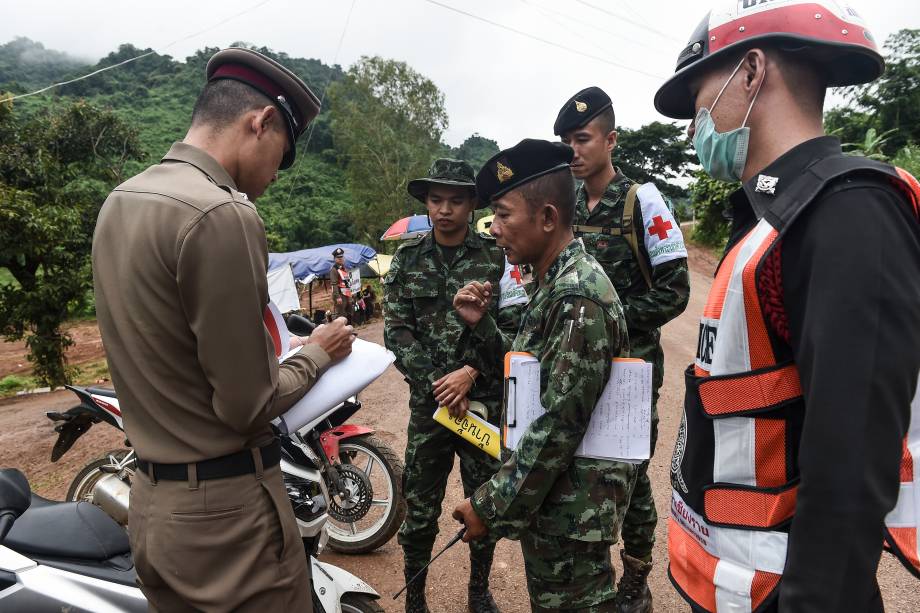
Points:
(335, 60)
(547, 11)
(628, 20)
(543, 40)
(143, 55)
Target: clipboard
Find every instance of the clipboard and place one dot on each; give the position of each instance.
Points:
(621, 423)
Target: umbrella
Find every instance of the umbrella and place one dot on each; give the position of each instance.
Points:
(377, 267)
(483, 224)
(407, 227)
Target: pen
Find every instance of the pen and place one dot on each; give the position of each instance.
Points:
(581, 321)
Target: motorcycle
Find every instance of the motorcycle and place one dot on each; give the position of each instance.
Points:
(361, 474)
(71, 556)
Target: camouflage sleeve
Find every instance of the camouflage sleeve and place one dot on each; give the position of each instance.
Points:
(665, 300)
(490, 340)
(575, 369)
(399, 328)
(483, 348)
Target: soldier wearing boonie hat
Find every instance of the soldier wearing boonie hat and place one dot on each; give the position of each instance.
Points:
(565, 510)
(179, 267)
(423, 331)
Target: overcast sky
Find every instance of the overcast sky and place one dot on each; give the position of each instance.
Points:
(498, 83)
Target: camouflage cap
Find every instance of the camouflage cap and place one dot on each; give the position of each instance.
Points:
(443, 171)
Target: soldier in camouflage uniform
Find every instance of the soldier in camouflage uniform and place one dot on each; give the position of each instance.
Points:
(423, 330)
(565, 510)
(647, 264)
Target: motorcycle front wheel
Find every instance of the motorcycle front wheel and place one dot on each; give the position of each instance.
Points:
(360, 603)
(375, 507)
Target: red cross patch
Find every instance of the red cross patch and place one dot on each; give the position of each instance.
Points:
(660, 227)
(516, 275)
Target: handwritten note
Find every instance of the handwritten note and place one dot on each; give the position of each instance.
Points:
(621, 424)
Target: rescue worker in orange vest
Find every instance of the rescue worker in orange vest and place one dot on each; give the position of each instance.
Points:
(340, 280)
(798, 435)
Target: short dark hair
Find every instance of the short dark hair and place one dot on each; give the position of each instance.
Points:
(606, 121)
(222, 101)
(557, 188)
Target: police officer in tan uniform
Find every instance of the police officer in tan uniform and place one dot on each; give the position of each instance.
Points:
(179, 268)
(341, 284)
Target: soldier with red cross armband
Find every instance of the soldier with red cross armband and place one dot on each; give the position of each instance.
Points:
(633, 235)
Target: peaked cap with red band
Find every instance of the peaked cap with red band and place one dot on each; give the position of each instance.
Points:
(298, 105)
(827, 32)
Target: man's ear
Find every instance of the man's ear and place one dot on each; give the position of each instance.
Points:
(550, 217)
(611, 141)
(264, 120)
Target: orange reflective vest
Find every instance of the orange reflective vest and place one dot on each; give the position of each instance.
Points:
(734, 469)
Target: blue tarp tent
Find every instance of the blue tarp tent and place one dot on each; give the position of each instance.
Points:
(319, 261)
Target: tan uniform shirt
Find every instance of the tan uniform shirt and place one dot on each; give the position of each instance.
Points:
(179, 270)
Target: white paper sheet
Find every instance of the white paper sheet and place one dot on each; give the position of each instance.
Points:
(621, 424)
(343, 380)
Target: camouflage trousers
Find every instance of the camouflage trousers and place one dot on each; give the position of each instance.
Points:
(430, 454)
(641, 516)
(568, 575)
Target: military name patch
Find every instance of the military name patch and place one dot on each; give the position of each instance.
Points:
(502, 172)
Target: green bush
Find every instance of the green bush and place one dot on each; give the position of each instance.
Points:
(11, 384)
(710, 204)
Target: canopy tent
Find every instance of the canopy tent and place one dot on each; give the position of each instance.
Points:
(281, 289)
(377, 267)
(319, 261)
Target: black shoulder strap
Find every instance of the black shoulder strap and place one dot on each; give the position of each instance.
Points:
(790, 203)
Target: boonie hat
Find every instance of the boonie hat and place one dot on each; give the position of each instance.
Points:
(443, 171)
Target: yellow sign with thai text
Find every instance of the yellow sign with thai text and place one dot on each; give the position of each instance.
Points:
(472, 428)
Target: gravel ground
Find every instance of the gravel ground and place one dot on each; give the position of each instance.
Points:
(26, 438)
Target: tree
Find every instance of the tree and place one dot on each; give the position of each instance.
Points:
(476, 150)
(55, 170)
(387, 121)
(657, 152)
(892, 102)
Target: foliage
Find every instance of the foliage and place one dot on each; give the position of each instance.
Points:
(26, 65)
(871, 146)
(908, 158)
(890, 103)
(307, 206)
(657, 152)
(710, 205)
(11, 384)
(55, 169)
(476, 150)
(387, 121)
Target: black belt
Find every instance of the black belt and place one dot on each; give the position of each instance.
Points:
(233, 465)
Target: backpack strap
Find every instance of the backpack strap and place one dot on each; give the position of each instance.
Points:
(629, 210)
(626, 229)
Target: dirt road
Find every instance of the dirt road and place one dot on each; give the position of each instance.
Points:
(26, 439)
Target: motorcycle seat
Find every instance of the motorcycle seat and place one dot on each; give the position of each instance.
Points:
(78, 530)
(102, 391)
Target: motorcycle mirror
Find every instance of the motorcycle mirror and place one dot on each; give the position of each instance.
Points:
(15, 493)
